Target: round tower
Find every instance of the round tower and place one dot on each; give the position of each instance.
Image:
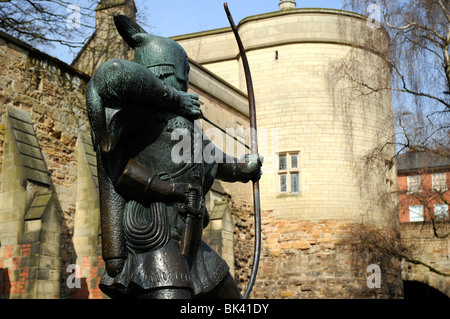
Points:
(330, 180)
(326, 133)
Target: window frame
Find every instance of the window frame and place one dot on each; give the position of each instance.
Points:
(288, 172)
(415, 219)
(442, 187)
(411, 187)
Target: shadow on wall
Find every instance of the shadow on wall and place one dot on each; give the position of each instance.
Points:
(82, 292)
(418, 290)
(5, 284)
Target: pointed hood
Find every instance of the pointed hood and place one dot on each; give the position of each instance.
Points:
(161, 55)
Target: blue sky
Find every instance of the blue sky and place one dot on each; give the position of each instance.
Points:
(182, 17)
(176, 17)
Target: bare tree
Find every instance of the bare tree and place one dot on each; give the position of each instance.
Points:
(50, 25)
(46, 23)
(381, 243)
(420, 59)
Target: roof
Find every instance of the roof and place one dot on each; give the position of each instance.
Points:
(38, 206)
(413, 161)
(91, 156)
(29, 149)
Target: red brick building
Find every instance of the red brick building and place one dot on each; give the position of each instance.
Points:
(423, 183)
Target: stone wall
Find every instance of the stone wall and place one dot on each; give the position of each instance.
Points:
(51, 93)
(421, 243)
(313, 259)
(244, 236)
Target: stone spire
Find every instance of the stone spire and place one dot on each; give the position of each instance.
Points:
(106, 43)
(107, 8)
(287, 4)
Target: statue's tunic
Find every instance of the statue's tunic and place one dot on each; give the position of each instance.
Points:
(154, 232)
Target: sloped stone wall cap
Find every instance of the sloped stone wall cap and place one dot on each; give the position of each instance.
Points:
(219, 210)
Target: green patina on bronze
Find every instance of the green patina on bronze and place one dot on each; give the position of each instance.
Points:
(152, 205)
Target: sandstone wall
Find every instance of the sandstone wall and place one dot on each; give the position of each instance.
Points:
(51, 93)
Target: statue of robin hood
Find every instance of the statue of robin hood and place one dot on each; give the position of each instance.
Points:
(152, 206)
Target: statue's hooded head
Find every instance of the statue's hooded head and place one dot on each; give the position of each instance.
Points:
(162, 56)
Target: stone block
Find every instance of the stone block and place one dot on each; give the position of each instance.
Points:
(51, 249)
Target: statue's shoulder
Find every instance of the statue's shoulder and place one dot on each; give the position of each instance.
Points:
(114, 67)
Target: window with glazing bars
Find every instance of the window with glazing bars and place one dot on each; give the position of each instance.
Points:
(289, 172)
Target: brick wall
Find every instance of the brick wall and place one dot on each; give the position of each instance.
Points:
(13, 280)
(427, 197)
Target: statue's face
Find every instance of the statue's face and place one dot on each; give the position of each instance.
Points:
(165, 58)
(175, 75)
(154, 51)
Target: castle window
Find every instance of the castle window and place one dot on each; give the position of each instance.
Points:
(283, 186)
(295, 186)
(416, 213)
(288, 172)
(282, 162)
(294, 161)
(438, 182)
(414, 185)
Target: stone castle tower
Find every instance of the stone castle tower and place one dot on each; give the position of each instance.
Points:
(320, 182)
(106, 43)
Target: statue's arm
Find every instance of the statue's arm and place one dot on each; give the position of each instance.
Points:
(246, 169)
(114, 249)
(230, 169)
(122, 83)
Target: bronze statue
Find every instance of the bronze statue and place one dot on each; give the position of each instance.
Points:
(152, 206)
